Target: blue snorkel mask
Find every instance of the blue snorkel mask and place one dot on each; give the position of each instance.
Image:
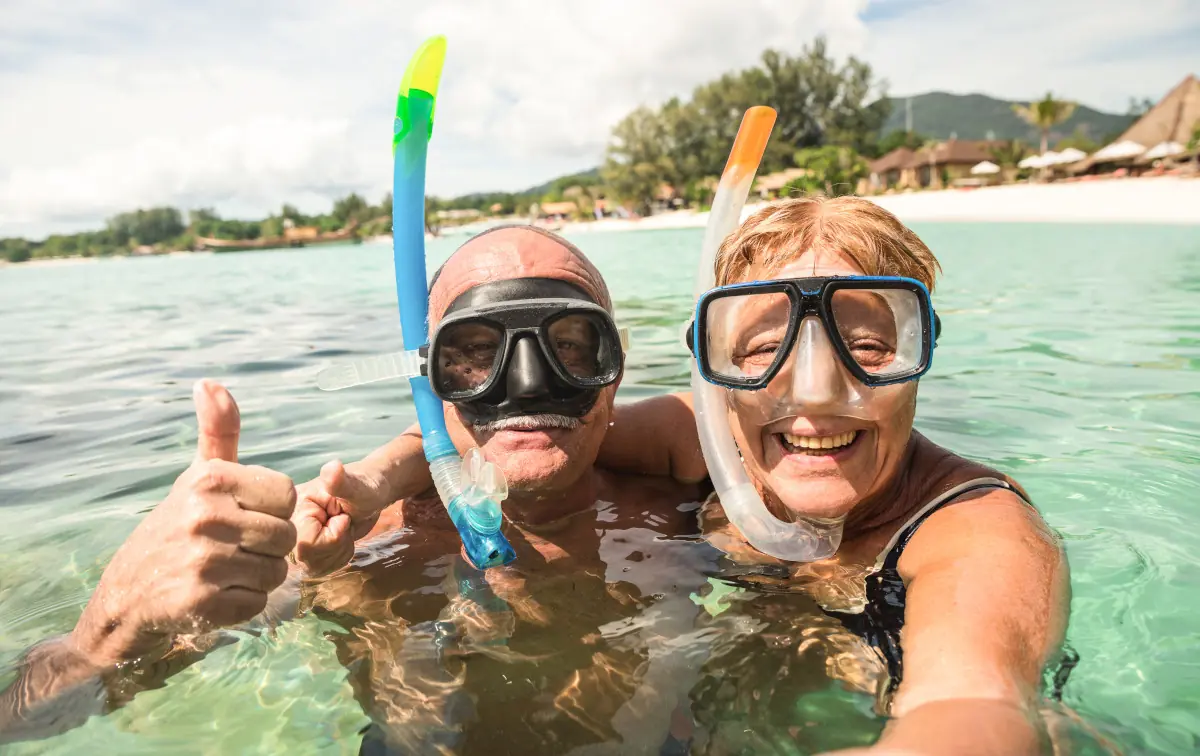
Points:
(470, 487)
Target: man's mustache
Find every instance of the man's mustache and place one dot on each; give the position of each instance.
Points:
(530, 422)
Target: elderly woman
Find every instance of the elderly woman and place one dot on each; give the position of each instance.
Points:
(962, 588)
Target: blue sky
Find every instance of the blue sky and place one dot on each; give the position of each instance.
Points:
(114, 104)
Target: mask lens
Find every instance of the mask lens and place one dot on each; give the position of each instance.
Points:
(880, 328)
(745, 332)
(582, 345)
(466, 354)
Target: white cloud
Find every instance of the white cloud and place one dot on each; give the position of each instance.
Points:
(241, 166)
(1100, 53)
(247, 105)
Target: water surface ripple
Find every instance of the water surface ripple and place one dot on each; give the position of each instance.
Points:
(1070, 358)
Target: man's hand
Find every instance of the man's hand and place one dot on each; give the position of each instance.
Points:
(333, 510)
(205, 557)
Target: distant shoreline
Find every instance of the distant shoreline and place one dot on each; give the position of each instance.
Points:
(1158, 200)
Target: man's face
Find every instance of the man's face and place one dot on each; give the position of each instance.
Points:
(538, 453)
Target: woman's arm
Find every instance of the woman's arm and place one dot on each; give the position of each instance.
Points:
(988, 594)
(655, 436)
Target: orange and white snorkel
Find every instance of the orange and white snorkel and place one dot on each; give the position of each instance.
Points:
(805, 539)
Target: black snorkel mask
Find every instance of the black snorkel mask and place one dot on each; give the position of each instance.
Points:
(524, 346)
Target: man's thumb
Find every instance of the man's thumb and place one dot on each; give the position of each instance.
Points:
(218, 420)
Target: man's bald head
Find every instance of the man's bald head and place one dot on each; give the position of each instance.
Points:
(549, 457)
(507, 252)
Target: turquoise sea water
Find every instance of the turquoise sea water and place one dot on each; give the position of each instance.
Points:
(1070, 358)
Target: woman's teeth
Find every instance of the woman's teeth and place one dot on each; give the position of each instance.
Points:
(817, 444)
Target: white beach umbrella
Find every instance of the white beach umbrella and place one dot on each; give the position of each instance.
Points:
(1070, 155)
(985, 167)
(1119, 151)
(1164, 149)
(1033, 161)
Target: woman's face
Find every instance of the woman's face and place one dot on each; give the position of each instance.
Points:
(817, 440)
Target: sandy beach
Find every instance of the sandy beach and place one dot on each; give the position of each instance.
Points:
(1141, 200)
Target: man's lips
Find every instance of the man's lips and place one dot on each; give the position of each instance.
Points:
(517, 438)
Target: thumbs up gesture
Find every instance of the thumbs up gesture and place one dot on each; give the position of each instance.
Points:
(205, 557)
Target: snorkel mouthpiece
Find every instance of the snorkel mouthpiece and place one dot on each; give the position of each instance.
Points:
(471, 489)
(806, 539)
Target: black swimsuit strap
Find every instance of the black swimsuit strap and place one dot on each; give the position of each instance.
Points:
(882, 617)
(892, 559)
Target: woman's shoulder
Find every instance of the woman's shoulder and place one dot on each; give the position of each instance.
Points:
(983, 513)
(943, 471)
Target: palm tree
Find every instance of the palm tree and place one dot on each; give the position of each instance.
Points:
(930, 147)
(1194, 144)
(1045, 114)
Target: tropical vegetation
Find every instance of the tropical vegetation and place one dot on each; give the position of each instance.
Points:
(1045, 114)
(684, 143)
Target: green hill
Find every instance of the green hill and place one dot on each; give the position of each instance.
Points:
(973, 116)
(590, 176)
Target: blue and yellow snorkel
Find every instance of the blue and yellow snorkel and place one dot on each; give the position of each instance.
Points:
(471, 489)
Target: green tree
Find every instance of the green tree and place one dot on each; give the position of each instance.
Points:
(817, 100)
(1008, 154)
(15, 250)
(831, 170)
(896, 139)
(718, 107)
(271, 227)
(203, 221)
(1045, 114)
(637, 163)
(350, 208)
(1137, 108)
(289, 212)
(1080, 140)
(1194, 145)
(152, 226)
(820, 102)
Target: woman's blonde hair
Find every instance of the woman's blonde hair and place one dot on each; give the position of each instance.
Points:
(877, 242)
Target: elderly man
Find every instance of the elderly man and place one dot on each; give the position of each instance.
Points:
(590, 556)
(543, 432)
(545, 617)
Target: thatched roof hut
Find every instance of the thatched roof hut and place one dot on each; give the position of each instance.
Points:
(966, 152)
(1173, 119)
